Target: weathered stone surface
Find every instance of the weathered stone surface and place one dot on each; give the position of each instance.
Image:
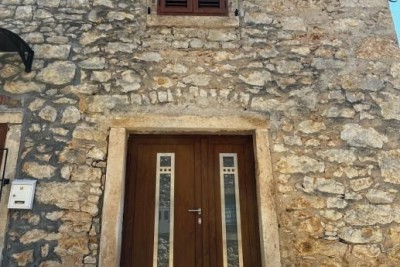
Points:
(100, 76)
(197, 79)
(375, 196)
(360, 184)
(85, 132)
(149, 56)
(299, 164)
(389, 163)
(48, 3)
(360, 236)
(72, 245)
(48, 113)
(362, 215)
(24, 12)
(47, 51)
(86, 173)
(258, 78)
(57, 73)
(338, 155)
(257, 18)
(70, 115)
(23, 258)
(329, 186)
(293, 24)
(64, 195)
(50, 264)
(102, 103)
(37, 234)
(358, 136)
(94, 63)
(288, 67)
(389, 105)
(335, 202)
(310, 126)
(112, 16)
(20, 87)
(97, 154)
(39, 171)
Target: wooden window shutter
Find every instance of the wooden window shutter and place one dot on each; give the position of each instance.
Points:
(192, 7)
(211, 7)
(172, 7)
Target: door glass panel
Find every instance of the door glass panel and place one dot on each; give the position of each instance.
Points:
(164, 211)
(230, 207)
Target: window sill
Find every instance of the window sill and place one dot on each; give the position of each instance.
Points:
(209, 22)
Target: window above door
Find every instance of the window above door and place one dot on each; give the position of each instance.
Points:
(193, 7)
(205, 14)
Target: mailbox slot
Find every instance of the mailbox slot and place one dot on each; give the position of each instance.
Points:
(21, 194)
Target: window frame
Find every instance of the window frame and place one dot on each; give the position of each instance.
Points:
(192, 9)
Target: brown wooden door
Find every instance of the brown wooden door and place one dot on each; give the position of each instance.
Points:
(3, 135)
(194, 182)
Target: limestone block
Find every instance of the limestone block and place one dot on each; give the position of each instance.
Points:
(20, 87)
(362, 183)
(292, 23)
(310, 126)
(389, 163)
(48, 113)
(360, 236)
(197, 79)
(64, 195)
(48, 51)
(68, 245)
(221, 36)
(78, 3)
(70, 115)
(149, 56)
(114, 15)
(35, 235)
(91, 37)
(329, 186)
(299, 164)
(288, 66)
(365, 214)
(88, 133)
(24, 12)
(39, 171)
(257, 18)
(375, 196)
(48, 3)
(86, 173)
(58, 73)
(50, 264)
(389, 104)
(23, 258)
(8, 71)
(336, 202)
(257, 78)
(93, 63)
(338, 155)
(356, 135)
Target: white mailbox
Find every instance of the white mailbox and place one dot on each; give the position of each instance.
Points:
(21, 194)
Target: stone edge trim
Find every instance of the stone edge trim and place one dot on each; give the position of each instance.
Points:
(111, 227)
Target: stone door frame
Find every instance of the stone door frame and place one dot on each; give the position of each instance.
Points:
(13, 139)
(111, 222)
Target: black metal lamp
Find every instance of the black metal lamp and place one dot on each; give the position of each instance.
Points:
(11, 42)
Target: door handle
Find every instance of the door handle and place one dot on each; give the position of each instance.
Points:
(195, 210)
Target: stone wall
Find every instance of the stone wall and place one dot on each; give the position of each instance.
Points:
(324, 72)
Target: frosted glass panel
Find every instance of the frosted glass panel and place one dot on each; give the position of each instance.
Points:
(163, 229)
(230, 206)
